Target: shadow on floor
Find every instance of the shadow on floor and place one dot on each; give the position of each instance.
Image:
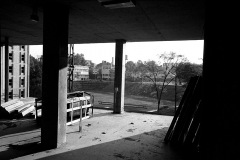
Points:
(104, 146)
(21, 147)
(17, 126)
(148, 145)
(145, 146)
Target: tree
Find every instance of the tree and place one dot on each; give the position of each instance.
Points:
(79, 59)
(130, 70)
(163, 72)
(35, 77)
(91, 69)
(185, 71)
(140, 69)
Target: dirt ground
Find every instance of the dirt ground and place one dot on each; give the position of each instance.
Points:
(134, 103)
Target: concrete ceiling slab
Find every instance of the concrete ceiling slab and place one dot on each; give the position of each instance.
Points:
(89, 22)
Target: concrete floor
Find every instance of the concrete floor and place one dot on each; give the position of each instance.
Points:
(106, 136)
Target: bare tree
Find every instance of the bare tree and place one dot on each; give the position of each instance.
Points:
(161, 74)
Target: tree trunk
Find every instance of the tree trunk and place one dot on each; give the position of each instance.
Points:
(159, 102)
(159, 99)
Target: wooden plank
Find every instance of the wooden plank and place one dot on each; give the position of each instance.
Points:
(16, 108)
(13, 106)
(187, 116)
(186, 112)
(23, 107)
(27, 110)
(197, 135)
(185, 97)
(193, 127)
(9, 103)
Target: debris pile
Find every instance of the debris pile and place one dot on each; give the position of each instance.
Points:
(17, 108)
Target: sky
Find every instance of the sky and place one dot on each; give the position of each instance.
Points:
(144, 51)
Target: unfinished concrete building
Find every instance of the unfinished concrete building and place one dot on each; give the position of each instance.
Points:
(17, 66)
(55, 24)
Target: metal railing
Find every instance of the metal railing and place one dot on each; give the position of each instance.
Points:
(78, 104)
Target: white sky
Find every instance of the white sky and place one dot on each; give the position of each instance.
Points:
(144, 51)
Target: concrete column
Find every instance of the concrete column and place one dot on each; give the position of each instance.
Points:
(220, 116)
(6, 69)
(28, 72)
(54, 82)
(119, 80)
(2, 71)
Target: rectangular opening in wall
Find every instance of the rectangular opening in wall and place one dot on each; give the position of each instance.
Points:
(23, 57)
(20, 57)
(10, 95)
(22, 94)
(22, 82)
(10, 83)
(11, 56)
(11, 69)
(22, 69)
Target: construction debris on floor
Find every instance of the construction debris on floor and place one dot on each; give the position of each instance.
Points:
(17, 108)
(105, 136)
(78, 105)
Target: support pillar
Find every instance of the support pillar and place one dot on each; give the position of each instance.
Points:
(220, 113)
(6, 69)
(54, 81)
(119, 80)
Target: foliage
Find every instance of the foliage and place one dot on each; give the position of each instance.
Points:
(91, 69)
(130, 70)
(79, 59)
(164, 70)
(185, 71)
(91, 74)
(140, 69)
(35, 77)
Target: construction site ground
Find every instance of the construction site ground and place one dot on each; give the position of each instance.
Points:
(105, 136)
(134, 103)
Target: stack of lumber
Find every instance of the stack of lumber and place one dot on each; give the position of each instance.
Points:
(185, 128)
(16, 109)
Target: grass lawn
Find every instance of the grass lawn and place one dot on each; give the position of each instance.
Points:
(134, 103)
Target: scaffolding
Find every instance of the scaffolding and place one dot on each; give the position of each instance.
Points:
(70, 67)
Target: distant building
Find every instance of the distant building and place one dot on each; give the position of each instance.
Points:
(112, 73)
(18, 68)
(106, 66)
(105, 70)
(80, 73)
